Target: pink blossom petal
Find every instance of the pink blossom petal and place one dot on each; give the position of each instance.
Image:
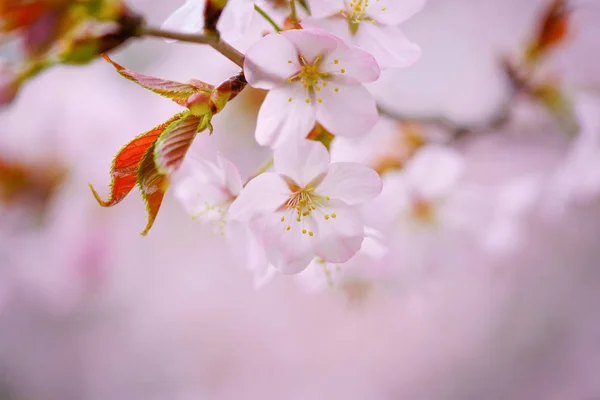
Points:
(350, 111)
(351, 63)
(394, 200)
(325, 8)
(267, 63)
(351, 183)
(337, 26)
(235, 19)
(394, 12)
(289, 250)
(311, 42)
(231, 175)
(263, 194)
(188, 18)
(280, 119)
(303, 162)
(388, 45)
(340, 233)
(245, 248)
(434, 171)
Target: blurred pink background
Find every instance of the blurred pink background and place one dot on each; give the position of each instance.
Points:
(90, 310)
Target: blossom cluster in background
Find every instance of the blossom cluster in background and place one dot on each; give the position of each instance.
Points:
(359, 199)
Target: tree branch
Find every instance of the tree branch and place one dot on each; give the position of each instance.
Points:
(209, 38)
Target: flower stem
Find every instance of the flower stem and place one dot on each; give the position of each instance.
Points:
(263, 168)
(294, 14)
(209, 38)
(268, 18)
(304, 5)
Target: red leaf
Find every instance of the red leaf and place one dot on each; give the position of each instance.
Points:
(553, 29)
(127, 161)
(173, 144)
(152, 185)
(176, 91)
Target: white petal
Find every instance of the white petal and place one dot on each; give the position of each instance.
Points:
(393, 202)
(280, 119)
(350, 182)
(339, 238)
(374, 246)
(245, 248)
(349, 63)
(235, 19)
(388, 45)
(349, 112)
(303, 162)
(290, 251)
(231, 175)
(197, 197)
(337, 26)
(311, 42)
(325, 8)
(263, 194)
(394, 12)
(435, 171)
(188, 18)
(267, 63)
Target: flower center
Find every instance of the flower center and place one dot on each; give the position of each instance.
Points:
(302, 203)
(310, 75)
(356, 12)
(423, 210)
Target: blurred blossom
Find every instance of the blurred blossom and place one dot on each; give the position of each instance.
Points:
(354, 276)
(421, 190)
(207, 189)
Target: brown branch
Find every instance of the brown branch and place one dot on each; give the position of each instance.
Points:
(209, 38)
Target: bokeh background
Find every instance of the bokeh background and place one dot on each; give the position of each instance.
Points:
(90, 310)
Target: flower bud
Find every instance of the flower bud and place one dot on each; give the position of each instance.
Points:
(199, 103)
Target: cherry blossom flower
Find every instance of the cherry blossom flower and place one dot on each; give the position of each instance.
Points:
(421, 191)
(206, 189)
(233, 23)
(307, 207)
(371, 25)
(312, 76)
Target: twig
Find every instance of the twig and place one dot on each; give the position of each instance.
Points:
(209, 38)
(263, 168)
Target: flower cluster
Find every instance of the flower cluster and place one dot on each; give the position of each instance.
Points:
(346, 189)
(307, 211)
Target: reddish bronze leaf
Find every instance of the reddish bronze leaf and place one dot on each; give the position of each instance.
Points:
(152, 185)
(176, 91)
(173, 144)
(127, 161)
(552, 30)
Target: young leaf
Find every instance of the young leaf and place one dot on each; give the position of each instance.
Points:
(553, 29)
(152, 185)
(126, 163)
(176, 91)
(173, 144)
